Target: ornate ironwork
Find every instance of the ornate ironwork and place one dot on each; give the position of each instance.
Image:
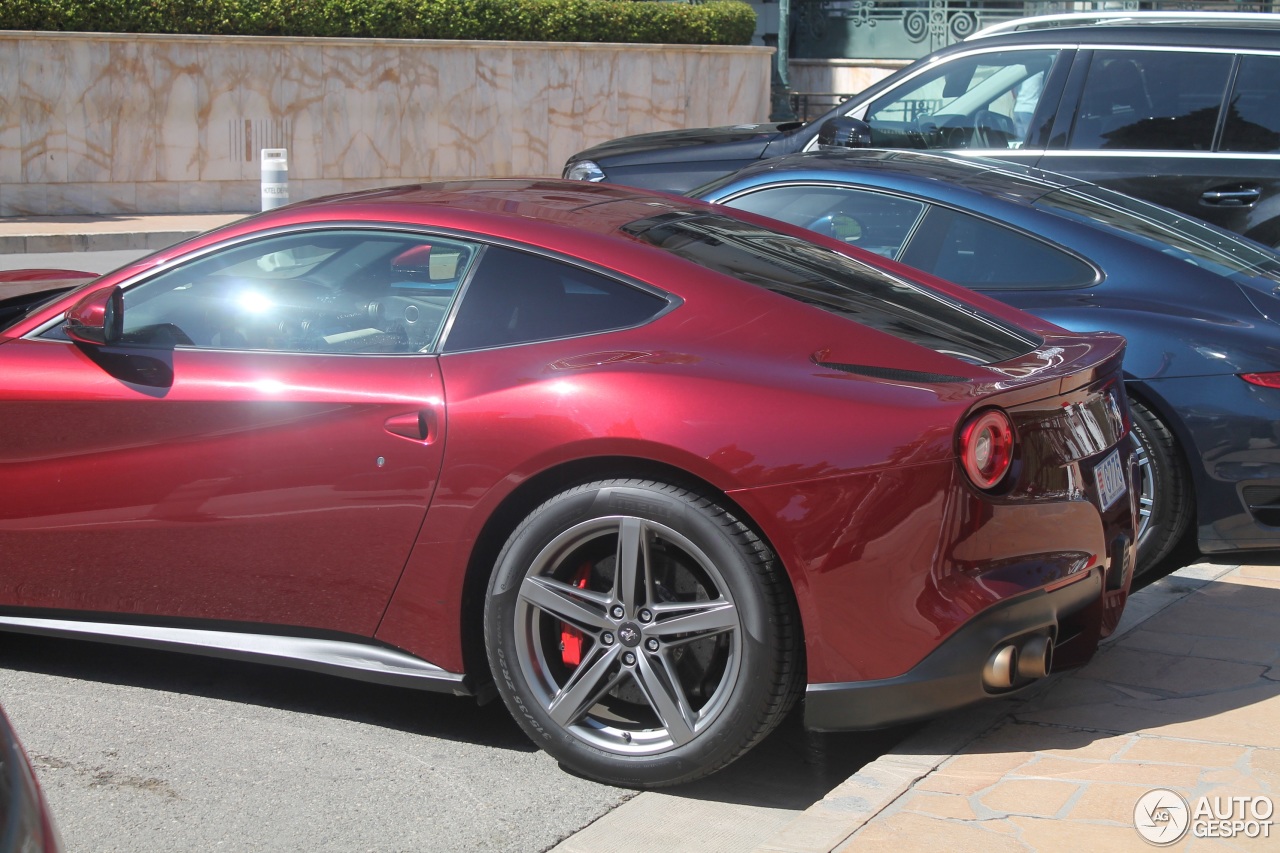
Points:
(909, 29)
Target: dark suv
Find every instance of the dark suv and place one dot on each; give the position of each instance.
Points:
(1182, 110)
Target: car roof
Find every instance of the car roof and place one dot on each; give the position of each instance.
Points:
(937, 171)
(1171, 19)
(1261, 32)
(581, 205)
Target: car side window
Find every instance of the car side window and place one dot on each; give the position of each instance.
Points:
(327, 291)
(983, 100)
(1151, 100)
(1253, 110)
(984, 255)
(875, 221)
(518, 297)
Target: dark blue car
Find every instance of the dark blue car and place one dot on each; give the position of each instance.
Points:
(1198, 305)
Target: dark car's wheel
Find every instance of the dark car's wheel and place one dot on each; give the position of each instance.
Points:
(640, 633)
(1164, 502)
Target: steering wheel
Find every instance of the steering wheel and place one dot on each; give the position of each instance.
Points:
(992, 130)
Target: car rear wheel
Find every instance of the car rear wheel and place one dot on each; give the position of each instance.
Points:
(1164, 500)
(640, 633)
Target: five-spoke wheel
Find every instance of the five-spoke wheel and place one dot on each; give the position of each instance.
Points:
(640, 633)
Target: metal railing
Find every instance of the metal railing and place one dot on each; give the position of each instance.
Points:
(910, 29)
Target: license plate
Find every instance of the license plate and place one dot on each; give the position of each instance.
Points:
(1110, 477)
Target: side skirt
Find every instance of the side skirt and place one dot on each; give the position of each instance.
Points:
(361, 661)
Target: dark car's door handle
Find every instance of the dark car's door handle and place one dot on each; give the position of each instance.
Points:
(419, 426)
(1232, 198)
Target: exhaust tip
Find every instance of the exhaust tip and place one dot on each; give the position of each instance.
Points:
(1000, 669)
(1035, 658)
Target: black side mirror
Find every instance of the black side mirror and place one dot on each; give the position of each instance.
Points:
(98, 319)
(844, 132)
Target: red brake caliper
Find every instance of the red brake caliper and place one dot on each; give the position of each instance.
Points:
(570, 637)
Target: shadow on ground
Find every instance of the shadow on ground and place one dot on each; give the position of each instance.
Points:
(417, 712)
(1213, 655)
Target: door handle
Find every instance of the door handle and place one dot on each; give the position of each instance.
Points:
(418, 426)
(1243, 197)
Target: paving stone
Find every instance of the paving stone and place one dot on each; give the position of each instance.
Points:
(1036, 797)
(938, 805)
(986, 762)
(920, 834)
(1255, 572)
(1107, 802)
(1171, 751)
(1176, 674)
(1049, 740)
(1051, 836)
(1096, 771)
(1265, 764)
(1240, 611)
(966, 784)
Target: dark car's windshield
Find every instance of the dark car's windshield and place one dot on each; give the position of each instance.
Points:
(837, 283)
(15, 308)
(1169, 232)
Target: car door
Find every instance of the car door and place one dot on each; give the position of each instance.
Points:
(1149, 122)
(260, 446)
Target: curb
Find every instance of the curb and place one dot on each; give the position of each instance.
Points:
(833, 820)
(104, 242)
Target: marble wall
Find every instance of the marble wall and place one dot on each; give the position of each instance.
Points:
(100, 123)
(839, 76)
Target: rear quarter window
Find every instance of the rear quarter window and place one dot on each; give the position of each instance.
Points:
(518, 297)
(836, 283)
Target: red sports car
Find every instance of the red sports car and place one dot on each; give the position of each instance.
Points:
(650, 469)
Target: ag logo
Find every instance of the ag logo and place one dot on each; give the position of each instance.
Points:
(1161, 816)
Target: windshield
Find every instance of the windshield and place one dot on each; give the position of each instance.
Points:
(1228, 255)
(835, 283)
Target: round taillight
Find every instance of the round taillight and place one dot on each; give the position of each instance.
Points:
(986, 447)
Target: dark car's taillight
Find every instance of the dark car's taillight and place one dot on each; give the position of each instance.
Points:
(1266, 380)
(986, 447)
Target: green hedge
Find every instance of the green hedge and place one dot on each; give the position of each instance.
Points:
(717, 22)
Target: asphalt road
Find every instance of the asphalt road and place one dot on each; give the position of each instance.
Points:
(157, 751)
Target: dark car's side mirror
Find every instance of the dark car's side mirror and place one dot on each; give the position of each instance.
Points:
(844, 132)
(98, 319)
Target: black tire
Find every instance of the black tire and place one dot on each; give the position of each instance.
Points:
(591, 661)
(1165, 497)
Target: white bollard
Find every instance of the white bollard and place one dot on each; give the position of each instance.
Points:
(275, 178)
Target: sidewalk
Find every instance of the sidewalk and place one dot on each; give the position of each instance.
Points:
(1186, 698)
(103, 233)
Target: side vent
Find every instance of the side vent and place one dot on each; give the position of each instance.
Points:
(892, 373)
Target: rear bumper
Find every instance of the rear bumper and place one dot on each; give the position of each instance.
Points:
(1230, 431)
(950, 677)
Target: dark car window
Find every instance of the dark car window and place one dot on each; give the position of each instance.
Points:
(1253, 111)
(986, 255)
(1164, 230)
(874, 221)
(516, 297)
(836, 283)
(982, 100)
(333, 291)
(1151, 100)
